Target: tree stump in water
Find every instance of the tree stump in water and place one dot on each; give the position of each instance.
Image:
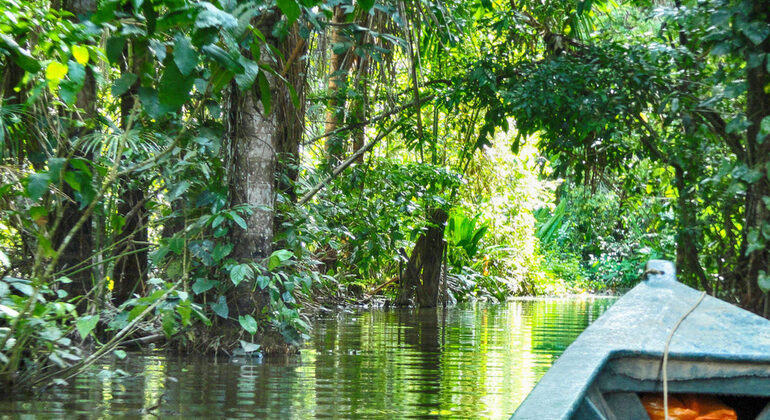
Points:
(423, 271)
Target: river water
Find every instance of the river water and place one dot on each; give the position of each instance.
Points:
(471, 361)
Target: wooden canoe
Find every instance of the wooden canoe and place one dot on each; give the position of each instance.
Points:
(717, 349)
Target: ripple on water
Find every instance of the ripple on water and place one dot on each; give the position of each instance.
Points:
(475, 360)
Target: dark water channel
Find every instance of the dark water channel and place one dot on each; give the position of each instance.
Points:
(472, 361)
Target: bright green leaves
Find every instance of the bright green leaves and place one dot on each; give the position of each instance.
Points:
(290, 8)
(248, 323)
(80, 53)
(279, 258)
(54, 73)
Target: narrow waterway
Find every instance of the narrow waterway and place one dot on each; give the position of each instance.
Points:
(471, 361)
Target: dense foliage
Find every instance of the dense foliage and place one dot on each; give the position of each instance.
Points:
(202, 171)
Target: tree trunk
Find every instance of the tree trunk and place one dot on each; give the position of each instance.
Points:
(423, 271)
(130, 270)
(338, 74)
(289, 134)
(80, 248)
(757, 262)
(252, 134)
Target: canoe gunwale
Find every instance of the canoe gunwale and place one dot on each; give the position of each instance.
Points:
(637, 327)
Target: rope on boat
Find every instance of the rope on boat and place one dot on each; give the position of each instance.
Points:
(665, 353)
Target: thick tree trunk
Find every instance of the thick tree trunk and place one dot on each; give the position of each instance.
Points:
(757, 262)
(423, 271)
(81, 248)
(253, 139)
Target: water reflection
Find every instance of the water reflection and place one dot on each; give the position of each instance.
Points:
(477, 360)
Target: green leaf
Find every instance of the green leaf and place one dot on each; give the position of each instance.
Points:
(223, 58)
(240, 272)
(278, 257)
(764, 281)
(264, 91)
(203, 285)
(123, 84)
(263, 281)
(248, 323)
(184, 312)
(120, 354)
(54, 73)
(80, 53)
(176, 244)
(764, 129)
(136, 311)
(366, 5)
(174, 89)
(185, 56)
(246, 78)
(290, 8)
(238, 219)
(213, 17)
(168, 323)
(220, 307)
(220, 251)
(756, 31)
(76, 76)
(114, 48)
(37, 185)
(249, 347)
(86, 324)
(21, 56)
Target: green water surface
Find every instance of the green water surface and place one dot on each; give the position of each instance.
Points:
(470, 361)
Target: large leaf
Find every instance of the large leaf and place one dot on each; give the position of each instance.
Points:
(86, 324)
(202, 285)
(123, 84)
(174, 89)
(240, 272)
(185, 56)
(37, 185)
(213, 17)
(222, 57)
(20, 56)
(248, 323)
(220, 307)
(290, 8)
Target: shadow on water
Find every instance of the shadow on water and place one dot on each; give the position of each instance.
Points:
(476, 360)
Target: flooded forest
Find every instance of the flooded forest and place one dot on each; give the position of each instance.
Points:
(235, 180)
